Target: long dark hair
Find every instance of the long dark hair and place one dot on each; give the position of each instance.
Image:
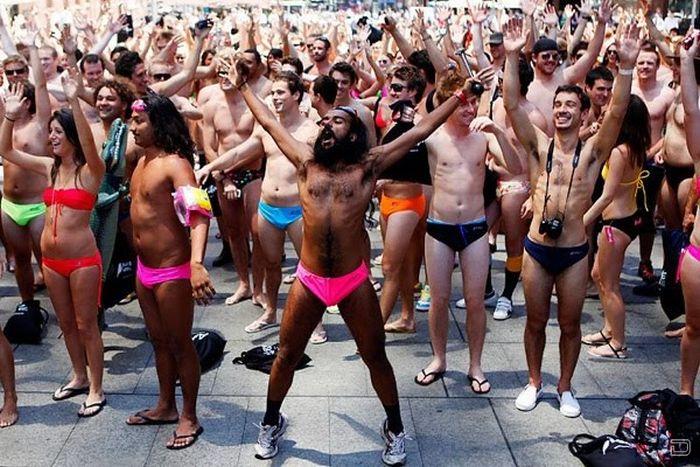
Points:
(170, 131)
(64, 117)
(636, 130)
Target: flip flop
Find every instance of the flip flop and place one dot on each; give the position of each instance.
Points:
(473, 380)
(257, 326)
(617, 354)
(318, 337)
(150, 421)
(593, 339)
(435, 374)
(377, 286)
(70, 392)
(395, 328)
(100, 405)
(194, 436)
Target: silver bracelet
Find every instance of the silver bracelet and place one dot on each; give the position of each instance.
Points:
(625, 71)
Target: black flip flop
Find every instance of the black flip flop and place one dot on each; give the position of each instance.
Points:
(435, 374)
(194, 436)
(150, 421)
(473, 380)
(71, 392)
(100, 405)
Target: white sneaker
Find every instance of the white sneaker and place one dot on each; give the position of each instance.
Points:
(423, 303)
(461, 304)
(395, 451)
(504, 308)
(568, 405)
(528, 397)
(377, 261)
(269, 436)
(289, 278)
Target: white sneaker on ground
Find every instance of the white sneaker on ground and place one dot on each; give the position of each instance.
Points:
(504, 308)
(461, 304)
(568, 405)
(268, 437)
(289, 278)
(395, 451)
(528, 397)
(490, 300)
(423, 303)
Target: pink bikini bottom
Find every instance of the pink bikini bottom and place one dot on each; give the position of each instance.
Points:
(694, 252)
(332, 290)
(150, 277)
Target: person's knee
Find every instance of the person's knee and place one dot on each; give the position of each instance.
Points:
(375, 358)
(536, 322)
(569, 325)
(390, 268)
(87, 327)
(180, 347)
(475, 303)
(692, 330)
(287, 359)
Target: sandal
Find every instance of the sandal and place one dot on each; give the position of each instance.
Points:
(436, 375)
(318, 337)
(595, 339)
(97, 405)
(257, 326)
(148, 420)
(64, 392)
(176, 437)
(395, 327)
(602, 352)
(473, 380)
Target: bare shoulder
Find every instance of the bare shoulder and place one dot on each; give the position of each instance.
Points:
(206, 93)
(668, 95)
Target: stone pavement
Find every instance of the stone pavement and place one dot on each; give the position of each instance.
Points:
(335, 416)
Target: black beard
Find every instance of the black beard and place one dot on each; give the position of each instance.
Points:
(342, 153)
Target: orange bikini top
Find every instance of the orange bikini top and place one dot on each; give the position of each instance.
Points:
(74, 198)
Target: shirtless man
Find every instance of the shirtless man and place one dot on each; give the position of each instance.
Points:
(345, 77)
(337, 177)
(563, 172)
(599, 83)
(92, 69)
(658, 98)
(227, 123)
(49, 64)
(457, 223)
(513, 191)
(170, 270)
(22, 203)
(550, 73)
(319, 52)
(279, 210)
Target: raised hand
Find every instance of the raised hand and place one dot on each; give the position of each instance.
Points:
(585, 10)
(14, 101)
(116, 26)
(389, 24)
(68, 42)
(202, 33)
(693, 39)
(628, 44)
(514, 36)
(70, 83)
(605, 11)
(483, 124)
(29, 35)
(528, 7)
(478, 12)
(551, 18)
(444, 14)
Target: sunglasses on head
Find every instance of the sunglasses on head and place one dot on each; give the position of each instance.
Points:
(396, 87)
(18, 71)
(162, 76)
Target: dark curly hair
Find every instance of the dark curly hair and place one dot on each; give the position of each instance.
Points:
(126, 64)
(169, 129)
(123, 91)
(64, 117)
(344, 68)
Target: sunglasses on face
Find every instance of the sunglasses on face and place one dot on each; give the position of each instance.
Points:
(383, 61)
(18, 71)
(612, 52)
(550, 56)
(162, 76)
(396, 87)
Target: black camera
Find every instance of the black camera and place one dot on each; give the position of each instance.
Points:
(204, 24)
(552, 227)
(476, 88)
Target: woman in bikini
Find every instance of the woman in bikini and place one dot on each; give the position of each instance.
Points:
(72, 265)
(622, 174)
(402, 206)
(689, 264)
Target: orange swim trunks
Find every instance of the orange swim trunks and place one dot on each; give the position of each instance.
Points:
(389, 206)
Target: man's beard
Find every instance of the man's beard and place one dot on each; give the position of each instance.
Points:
(341, 153)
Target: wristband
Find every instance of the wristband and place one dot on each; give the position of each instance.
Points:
(240, 86)
(625, 71)
(586, 18)
(461, 96)
(9, 119)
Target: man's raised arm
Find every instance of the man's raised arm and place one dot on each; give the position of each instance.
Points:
(577, 72)
(689, 96)
(628, 45)
(514, 39)
(296, 151)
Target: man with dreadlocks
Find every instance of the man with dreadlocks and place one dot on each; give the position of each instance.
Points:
(170, 272)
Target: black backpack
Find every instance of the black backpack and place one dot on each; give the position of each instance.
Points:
(120, 279)
(210, 348)
(27, 324)
(261, 358)
(604, 451)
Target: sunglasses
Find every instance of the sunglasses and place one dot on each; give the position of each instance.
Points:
(612, 52)
(550, 56)
(383, 61)
(18, 71)
(396, 87)
(162, 76)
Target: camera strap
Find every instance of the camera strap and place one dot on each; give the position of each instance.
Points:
(548, 168)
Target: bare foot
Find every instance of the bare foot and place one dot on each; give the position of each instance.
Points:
(401, 326)
(260, 299)
(8, 415)
(243, 293)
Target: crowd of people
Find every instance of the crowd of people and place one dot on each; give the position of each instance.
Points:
(572, 133)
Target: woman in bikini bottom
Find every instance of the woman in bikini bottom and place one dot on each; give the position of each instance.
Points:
(72, 264)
